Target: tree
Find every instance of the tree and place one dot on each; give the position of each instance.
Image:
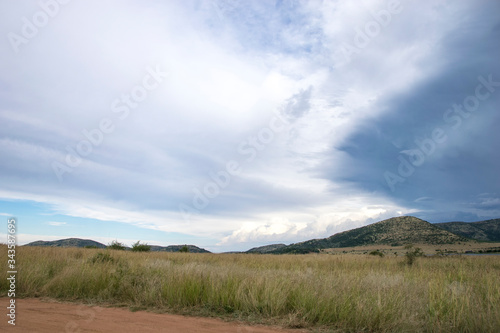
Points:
(115, 245)
(138, 247)
(185, 249)
(376, 253)
(411, 255)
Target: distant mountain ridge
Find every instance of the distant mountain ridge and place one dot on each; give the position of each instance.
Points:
(177, 248)
(395, 231)
(487, 231)
(68, 242)
(266, 248)
(77, 242)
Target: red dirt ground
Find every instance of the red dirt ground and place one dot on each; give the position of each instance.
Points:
(35, 315)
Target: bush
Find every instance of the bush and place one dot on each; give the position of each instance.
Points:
(138, 247)
(101, 258)
(411, 255)
(376, 253)
(439, 253)
(90, 247)
(115, 245)
(184, 249)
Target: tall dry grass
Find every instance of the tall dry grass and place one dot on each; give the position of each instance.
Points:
(337, 292)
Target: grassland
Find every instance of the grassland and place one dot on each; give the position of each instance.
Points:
(428, 249)
(323, 292)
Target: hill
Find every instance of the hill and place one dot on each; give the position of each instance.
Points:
(266, 248)
(487, 231)
(69, 242)
(176, 248)
(395, 231)
(77, 242)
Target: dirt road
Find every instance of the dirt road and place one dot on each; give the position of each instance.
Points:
(34, 315)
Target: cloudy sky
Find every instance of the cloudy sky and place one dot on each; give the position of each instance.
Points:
(233, 124)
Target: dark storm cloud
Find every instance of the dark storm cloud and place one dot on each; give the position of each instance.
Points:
(456, 154)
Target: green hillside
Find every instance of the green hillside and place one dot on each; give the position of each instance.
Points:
(395, 231)
(266, 248)
(487, 231)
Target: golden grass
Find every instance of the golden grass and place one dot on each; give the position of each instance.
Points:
(429, 249)
(347, 293)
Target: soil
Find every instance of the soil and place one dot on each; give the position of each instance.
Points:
(36, 315)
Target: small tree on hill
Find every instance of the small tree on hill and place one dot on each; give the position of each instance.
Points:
(184, 249)
(138, 247)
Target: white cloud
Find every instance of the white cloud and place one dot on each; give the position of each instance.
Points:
(321, 222)
(56, 224)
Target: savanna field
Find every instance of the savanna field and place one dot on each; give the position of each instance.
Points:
(321, 292)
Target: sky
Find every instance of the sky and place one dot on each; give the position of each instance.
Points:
(234, 124)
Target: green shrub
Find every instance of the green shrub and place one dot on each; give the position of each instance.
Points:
(115, 245)
(376, 253)
(184, 249)
(138, 247)
(439, 253)
(411, 255)
(101, 258)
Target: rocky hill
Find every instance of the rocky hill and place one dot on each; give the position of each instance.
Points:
(77, 242)
(266, 248)
(69, 242)
(177, 248)
(395, 231)
(487, 231)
